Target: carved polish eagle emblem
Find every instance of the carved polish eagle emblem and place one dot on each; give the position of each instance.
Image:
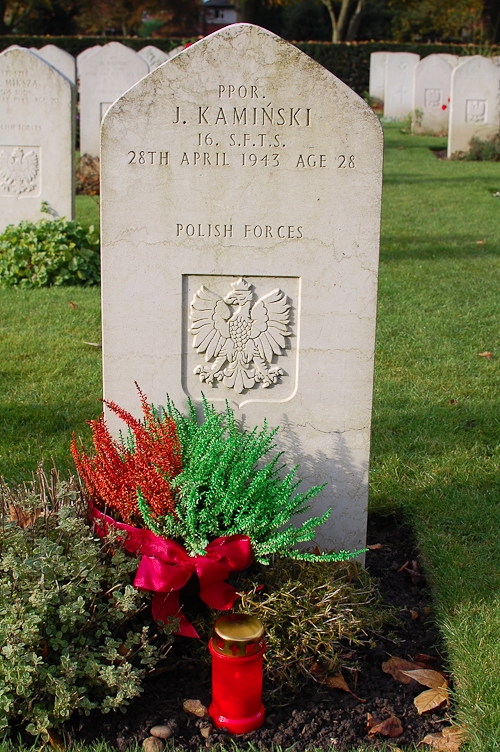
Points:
(239, 336)
(18, 170)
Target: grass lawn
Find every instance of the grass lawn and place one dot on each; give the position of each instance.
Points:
(436, 422)
(436, 427)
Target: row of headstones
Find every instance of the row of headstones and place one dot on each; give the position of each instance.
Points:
(102, 74)
(444, 94)
(38, 119)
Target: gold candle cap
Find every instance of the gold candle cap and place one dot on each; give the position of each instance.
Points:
(238, 635)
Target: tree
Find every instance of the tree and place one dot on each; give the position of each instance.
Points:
(346, 19)
(345, 15)
(459, 20)
(125, 17)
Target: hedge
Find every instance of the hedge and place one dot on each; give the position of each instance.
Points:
(349, 61)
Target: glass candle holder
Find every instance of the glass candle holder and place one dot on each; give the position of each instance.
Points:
(237, 648)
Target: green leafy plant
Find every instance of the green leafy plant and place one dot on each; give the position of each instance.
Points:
(214, 477)
(71, 635)
(49, 252)
(313, 613)
(225, 488)
(487, 150)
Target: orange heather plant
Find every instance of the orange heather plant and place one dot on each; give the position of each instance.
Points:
(116, 472)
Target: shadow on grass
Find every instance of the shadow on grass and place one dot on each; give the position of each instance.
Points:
(428, 247)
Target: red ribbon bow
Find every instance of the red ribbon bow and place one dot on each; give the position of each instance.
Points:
(165, 568)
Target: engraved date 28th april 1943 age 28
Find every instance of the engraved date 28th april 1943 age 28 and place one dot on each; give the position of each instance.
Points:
(246, 159)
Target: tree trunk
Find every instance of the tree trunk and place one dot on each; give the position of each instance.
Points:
(344, 9)
(352, 31)
(333, 19)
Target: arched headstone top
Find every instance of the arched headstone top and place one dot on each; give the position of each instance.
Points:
(240, 198)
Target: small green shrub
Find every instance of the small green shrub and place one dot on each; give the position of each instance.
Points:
(70, 632)
(49, 252)
(312, 613)
(484, 151)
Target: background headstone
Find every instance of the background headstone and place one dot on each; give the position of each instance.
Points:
(398, 93)
(431, 95)
(175, 51)
(474, 109)
(153, 56)
(104, 76)
(377, 75)
(240, 172)
(453, 60)
(37, 117)
(60, 59)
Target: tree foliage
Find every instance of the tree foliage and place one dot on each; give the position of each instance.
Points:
(446, 20)
(97, 16)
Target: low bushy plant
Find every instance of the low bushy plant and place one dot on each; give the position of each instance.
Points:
(71, 633)
(49, 252)
(487, 150)
(312, 612)
(87, 176)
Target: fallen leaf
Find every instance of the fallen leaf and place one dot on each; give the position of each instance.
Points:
(397, 667)
(391, 727)
(480, 242)
(414, 614)
(414, 571)
(337, 681)
(488, 355)
(195, 707)
(424, 659)
(375, 547)
(428, 677)
(56, 741)
(453, 402)
(72, 305)
(430, 699)
(449, 740)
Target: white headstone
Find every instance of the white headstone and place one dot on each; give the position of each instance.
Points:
(104, 76)
(153, 56)
(398, 93)
(377, 75)
(60, 59)
(37, 117)
(453, 60)
(84, 55)
(175, 51)
(474, 110)
(243, 171)
(431, 95)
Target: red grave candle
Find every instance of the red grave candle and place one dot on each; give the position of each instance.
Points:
(237, 648)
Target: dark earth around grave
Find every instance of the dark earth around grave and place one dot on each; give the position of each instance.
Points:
(316, 716)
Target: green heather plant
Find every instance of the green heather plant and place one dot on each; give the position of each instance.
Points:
(197, 481)
(226, 487)
(70, 634)
(49, 252)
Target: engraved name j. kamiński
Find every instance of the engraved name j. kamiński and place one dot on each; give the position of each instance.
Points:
(18, 170)
(239, 336)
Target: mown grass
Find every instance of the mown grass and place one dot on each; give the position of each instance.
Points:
(436, 421)
(50, 379)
